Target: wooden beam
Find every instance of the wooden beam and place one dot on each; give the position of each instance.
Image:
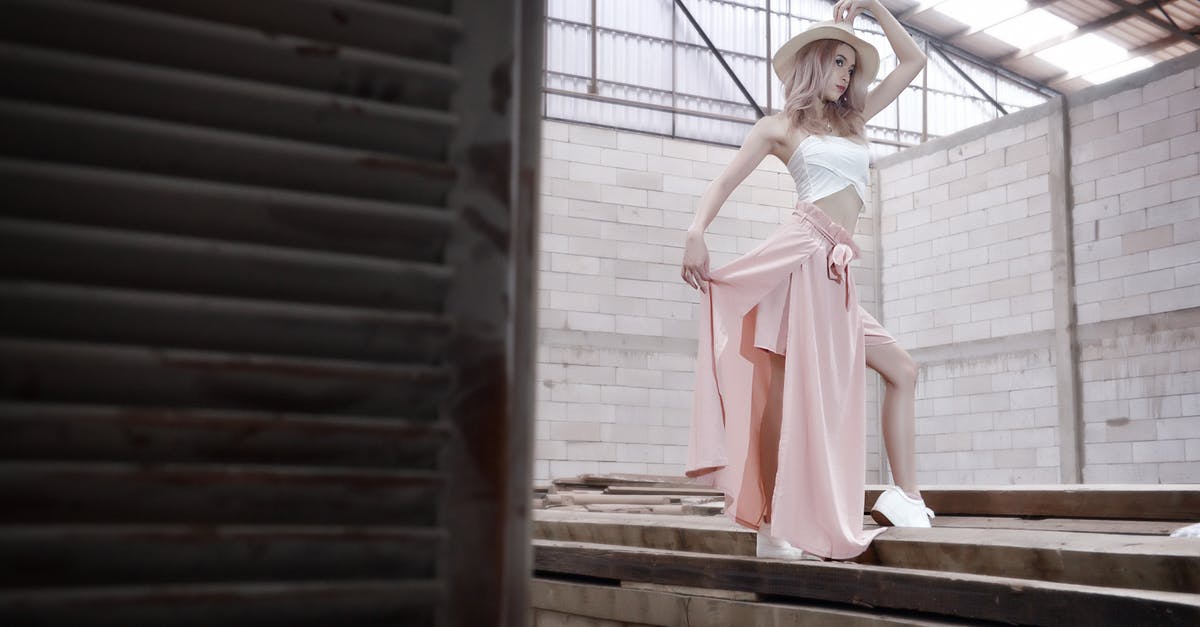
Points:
(1131, 502)
(691, 607)
(1122, 561)
(966, 597)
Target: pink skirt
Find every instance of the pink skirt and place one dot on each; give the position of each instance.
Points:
(792, 295)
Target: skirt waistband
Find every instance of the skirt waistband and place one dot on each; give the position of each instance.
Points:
(834, 232)
(843, 249)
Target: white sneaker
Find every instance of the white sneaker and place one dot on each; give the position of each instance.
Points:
(894, 508)
(778, 548)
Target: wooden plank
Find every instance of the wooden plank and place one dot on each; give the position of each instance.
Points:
(659, 510)
(673, 491)
(681, 606)
(1076, 525)
(965, 596)
(255, 604)
(567, 498)
(1130, 502)
(629, 479)
(1144, 562)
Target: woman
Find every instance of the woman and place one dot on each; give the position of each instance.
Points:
(779, 412)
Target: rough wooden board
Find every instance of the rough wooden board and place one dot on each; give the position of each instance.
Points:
(578, 498)
(660, 510)
(618, 489)
(1143, 562)
(729, 595)
(1179, 502)
(629, 479)
(548, 618)
(681, 533)
(1077, 525)
(656, 604)
(1140, 562)
(964, 596)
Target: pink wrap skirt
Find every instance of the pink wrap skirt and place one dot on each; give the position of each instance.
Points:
(793, 295)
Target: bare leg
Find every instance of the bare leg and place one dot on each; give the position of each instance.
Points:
(769, 434)
(899, 374)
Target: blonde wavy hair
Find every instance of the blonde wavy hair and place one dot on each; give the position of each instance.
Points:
(805, 81)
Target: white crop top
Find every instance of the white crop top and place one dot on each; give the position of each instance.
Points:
(824, 164)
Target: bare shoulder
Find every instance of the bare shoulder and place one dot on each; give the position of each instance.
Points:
(774, 129)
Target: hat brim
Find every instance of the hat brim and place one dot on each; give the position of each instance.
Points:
(867, 64)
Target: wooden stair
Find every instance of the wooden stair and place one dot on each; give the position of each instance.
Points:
(1094, 555)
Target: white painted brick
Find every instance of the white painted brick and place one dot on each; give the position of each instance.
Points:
(669, 165)
(1119, 267)
(1176, 299)
(1097, 250)
(1026, 150)
(1117, 102)
(1168, 86)
(1144, 114)
(1175, 126)
(1174, 169)
(581, 321)
(685, 150)
(965, 151)
(1115, 308)
(1169, 451)
(1108, 453)
(1147, 282)
(1093, 130)
(1004, 138)
(1111, 145)
(636, 142)
(1174, 255)
(591, 136)
(1185, 102)
(1184, 144)
(1185, 188)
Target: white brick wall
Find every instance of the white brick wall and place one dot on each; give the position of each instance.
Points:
(1137, 241)
(986, 409)
(617, 344)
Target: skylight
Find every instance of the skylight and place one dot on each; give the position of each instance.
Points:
(1085, 53)
(1035, 26)
(1116, 71)
(978, 14)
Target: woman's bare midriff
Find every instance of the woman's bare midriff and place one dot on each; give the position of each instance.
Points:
(842, 206)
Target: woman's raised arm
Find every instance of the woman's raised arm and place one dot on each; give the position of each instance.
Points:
(907, 52)
(757, 145)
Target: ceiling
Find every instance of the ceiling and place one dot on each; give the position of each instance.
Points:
(1149, 31)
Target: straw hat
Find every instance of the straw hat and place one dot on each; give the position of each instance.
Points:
(867, 64)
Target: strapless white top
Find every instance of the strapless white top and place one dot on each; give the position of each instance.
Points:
(824, 164)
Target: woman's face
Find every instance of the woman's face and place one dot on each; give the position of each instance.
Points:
(843, 66)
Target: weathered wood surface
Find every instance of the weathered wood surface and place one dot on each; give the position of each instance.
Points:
(1130, 502)
(1141, 562)
(567, 498)
(628, 479)
(1179, 502)
(302, 604)
(965, 596)
(690, 607)
(672, 491)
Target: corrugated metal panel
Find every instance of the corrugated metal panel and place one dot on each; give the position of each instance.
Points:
(223, 365)
(635, 64)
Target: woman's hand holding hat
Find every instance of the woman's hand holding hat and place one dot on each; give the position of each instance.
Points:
(847, 10)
